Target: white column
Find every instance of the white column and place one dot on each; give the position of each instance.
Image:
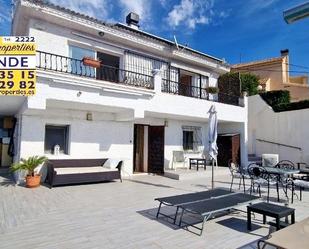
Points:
(157, 80)
(244, 141)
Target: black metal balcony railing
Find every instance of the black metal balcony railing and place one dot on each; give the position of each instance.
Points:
(59, 63)
(196, 92)
(63, 64)
(183, 89)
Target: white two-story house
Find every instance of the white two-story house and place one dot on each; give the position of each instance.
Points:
(147, 98)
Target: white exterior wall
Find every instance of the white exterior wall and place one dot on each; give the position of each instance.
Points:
(289, 128)
(173, 140)
(65, 99)
(100, 138)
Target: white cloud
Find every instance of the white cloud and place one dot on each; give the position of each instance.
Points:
(224, 14)
(102, 9)
(254, 6)
(94, 8)
(190, 13)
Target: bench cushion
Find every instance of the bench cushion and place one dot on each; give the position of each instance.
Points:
(111, 163)
(81, 170)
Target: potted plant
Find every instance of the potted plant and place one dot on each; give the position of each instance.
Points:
(91, 62)
(212, 89)
(32, 178)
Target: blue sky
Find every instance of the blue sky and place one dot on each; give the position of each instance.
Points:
(230, 29)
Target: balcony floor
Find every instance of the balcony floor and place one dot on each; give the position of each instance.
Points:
(117, 215)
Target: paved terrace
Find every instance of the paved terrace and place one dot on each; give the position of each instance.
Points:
(117, 215)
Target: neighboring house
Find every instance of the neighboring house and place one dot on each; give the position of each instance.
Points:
(274, 75)
(148, 98)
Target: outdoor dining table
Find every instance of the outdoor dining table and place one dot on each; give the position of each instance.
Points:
(281, 172)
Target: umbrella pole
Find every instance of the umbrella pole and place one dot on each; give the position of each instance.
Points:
(212, 174)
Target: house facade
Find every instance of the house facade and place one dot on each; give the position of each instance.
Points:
(146, 99)
(274, 74)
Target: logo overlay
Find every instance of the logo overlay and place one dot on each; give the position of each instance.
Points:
(17, 65)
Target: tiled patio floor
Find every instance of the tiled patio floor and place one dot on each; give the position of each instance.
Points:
(116, 215)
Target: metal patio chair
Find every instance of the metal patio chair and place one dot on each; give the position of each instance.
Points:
(260, 177)
(237, 173)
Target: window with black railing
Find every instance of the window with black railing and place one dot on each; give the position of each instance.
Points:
(59, 63)
(181, 82)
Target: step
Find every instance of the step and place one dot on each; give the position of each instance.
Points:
(4, 170)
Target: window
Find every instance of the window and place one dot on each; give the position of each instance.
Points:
(187, 140)
(56, 135)
(77, 67)
(79, 53)
(192, 138)
(110, 69)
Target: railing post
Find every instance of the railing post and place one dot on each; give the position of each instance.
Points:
(157, 80)
(200, 86)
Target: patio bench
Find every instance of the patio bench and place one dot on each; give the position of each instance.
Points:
(75, 171)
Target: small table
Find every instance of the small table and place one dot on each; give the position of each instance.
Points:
(272, 210)
(197, 162)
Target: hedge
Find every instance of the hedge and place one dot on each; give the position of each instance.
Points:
(280, 101)
(291, 106)
(278, 97)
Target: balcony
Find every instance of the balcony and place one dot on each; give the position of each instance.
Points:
(63, 64)
(178, 88)
(58, 63)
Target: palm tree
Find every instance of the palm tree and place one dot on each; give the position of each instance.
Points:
(28, 164)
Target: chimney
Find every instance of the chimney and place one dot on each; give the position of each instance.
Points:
(286, 61)
(132, 20)
(284, 52)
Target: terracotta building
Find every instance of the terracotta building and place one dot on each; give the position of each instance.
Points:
(274, 74)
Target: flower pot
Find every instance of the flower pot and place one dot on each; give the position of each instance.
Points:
(33, 181)
(91, 62)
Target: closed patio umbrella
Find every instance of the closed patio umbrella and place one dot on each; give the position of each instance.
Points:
(212, 139)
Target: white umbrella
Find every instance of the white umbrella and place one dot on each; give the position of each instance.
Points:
(212, 138)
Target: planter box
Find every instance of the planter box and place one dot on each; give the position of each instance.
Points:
(91, 62)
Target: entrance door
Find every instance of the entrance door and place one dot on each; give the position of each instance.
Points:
(228, 148)
(6, 136)
(138, 148)
(110, 69)
(185, 85)
(156, 149)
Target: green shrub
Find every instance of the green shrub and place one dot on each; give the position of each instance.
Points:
(212, 90)
(280, 101)
(249, 83)
(291, 106)
(234, 83)
(229, 84)
(278, 97)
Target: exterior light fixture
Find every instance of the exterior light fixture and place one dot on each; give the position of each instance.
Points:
(89, 116)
